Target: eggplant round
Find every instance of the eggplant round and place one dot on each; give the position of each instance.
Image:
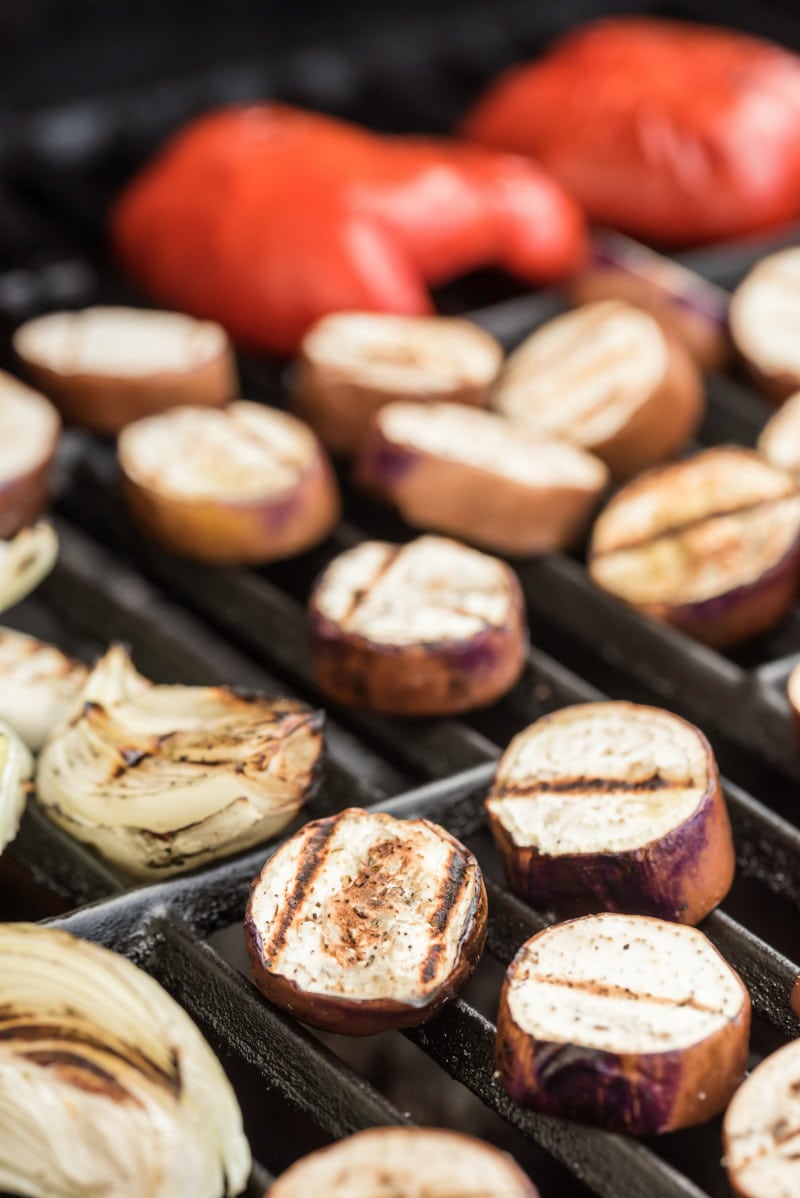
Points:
(39, 686)
(405, 1162)
(608, 378)
(762, 1126)
(471, 474)
(613, 806)
(764, 317)
(29, 432)
(427, 628)
(354, 363)
(780, 438)
(245, 484)
(622, 1021)
(710, 544)
(106, 367)
(361, 923)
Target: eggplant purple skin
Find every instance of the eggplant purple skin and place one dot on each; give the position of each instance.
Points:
(384, 463)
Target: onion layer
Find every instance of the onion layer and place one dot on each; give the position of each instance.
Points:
(38, 685)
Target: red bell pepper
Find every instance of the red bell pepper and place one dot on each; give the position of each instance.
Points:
(675, 133)
(266, 218)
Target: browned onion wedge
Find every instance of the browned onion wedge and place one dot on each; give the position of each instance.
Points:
(354, 363)
(405, 1162)
(617, 805)
(762, 1129)
(711, 545)
(764, 318)
(105, 367)
(427, 628)
(629, 1023)
(471, 474)
(780, 438)
(608, 378)
(29, 431)
(244, 484)
(362, 922)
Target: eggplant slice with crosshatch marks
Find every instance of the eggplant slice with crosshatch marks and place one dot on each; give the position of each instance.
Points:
(762, 1129)
(427, 628)
(711, 545)
(361, 922)
(617, 806)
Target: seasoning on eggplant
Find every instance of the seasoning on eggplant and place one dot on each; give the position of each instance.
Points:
(764, 316)
(29, 432)
(39, 686)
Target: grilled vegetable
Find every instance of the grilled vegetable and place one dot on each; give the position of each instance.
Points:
(629, 1023)
(354, 363)
(38, 686)
(29, 431)
(608, 378)
(780, 438)
(764, 314)
(711, 545)
(159, 779)
(405, 1162)
(247, 484)
(673, 132)
(105, 367)
(106, 1086)
(617, 805)
(24, 561)
(361, 923)
(761, 1128)
(267, 218)
(16, 768)
(426, 628)
(472, 475)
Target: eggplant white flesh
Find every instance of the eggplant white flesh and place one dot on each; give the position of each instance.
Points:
(780, 438)
(617, 806)
(405, 1162)
(427, 628)
(762, 1129)
(106, 1086)
(764, 317)
(471, 474)
(16, 770)
(104, 367)
(24, 561)
(38, 686)
(242, 484)
(160, 779)
(29, 432)
(622, 1021)
(354, 363)
(607, 377)
(710, 544)
(361, 922)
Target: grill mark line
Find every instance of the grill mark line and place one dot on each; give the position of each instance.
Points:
(448, 896)
(313, 857)
(609, 990)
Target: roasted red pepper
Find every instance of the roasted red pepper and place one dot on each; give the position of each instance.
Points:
(266, 218)
(674, 133)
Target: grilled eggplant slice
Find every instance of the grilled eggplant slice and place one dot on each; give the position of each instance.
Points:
(780, 438)
(29, 432)
(711, 545)
(629, 1023)
(473, 475)
(361, 923)
(609, 378)
(405, 1162)
(159, 779)
(427, 628)
(617, 806)
(762, 1126)
(105, 367)
(764, 316)
(39, 686)
(247, 484)
(354, 363)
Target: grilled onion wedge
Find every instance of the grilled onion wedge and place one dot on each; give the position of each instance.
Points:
(104, 367)
(354, 363)
(29, 432)
(427, 628)
(608, 377)
(613, 806)
(764, 315)
(106, 1085)
(16, 769)
(361, 923)
(473, 475)
(761, 1129)
(622, 1021)
(711, 544)
(405, 1162)
(24, 561)
(160, 779)
(38, 686)
(245, 484)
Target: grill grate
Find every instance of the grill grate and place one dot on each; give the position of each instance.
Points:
(195, 624)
